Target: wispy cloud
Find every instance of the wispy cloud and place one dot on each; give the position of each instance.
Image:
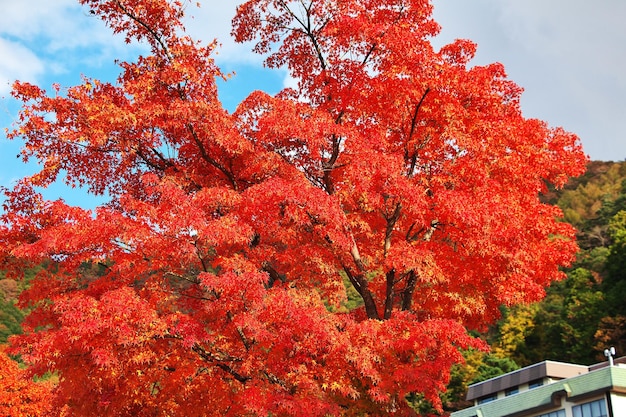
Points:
(17, 62)
(212, 21)
(36, 17)
(52, 37)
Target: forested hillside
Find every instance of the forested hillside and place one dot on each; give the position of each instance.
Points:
(578, 318)
(10, 315)
(584, 314)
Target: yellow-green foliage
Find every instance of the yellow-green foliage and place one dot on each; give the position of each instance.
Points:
(513, 331)
(584, 202)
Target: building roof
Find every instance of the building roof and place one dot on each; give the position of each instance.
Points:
(549, 396)
(550, 369)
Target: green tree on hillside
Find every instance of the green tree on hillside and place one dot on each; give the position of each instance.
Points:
(10, 316)
(611, 329)
(592, 202)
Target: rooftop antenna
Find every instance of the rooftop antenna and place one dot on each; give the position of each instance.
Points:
(609, 353)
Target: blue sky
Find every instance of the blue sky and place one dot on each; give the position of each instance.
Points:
(569, 55)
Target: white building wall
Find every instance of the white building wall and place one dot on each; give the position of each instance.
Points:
(618, 401)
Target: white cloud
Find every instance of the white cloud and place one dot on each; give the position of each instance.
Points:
(53, 37)
(26, 19)
(212, 20)
(579, 47)
(18, 62)
(22, 23)
(63, 35)
(53, 25)
(290, 82)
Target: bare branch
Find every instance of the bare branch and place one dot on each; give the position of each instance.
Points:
(413, 157)
(389, 293)
(391, 223)
(407, 294)
(209, 357)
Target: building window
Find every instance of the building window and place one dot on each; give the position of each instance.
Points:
(592, 409)
(511, 391)
(535, 383)
(487, 398)
(558, 413)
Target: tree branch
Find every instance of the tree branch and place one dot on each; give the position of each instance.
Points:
(209, 357)
(391, 223)
(329, 165)
(360, 284)
(208, 159)
(273, 273)
(409, 289)
(389, 293)
(246, 343)
(155, 35)
(407, 294)
(307, 30)
(413, 157)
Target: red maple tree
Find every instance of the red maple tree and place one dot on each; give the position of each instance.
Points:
(214, 281)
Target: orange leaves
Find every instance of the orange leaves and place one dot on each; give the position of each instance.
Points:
(404, 258)
(119, 315)
(138, 19)
(107, 331)
(460, 52)
(20, 395)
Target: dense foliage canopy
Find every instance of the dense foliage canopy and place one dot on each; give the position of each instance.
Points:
(213, 280)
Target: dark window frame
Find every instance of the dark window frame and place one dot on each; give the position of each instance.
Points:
(588, 410)
(487, 398)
